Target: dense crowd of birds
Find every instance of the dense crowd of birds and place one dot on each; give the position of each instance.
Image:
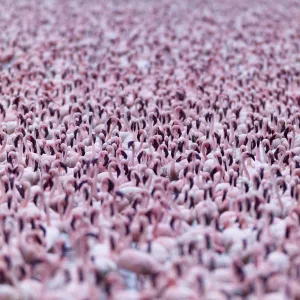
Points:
(149, 150)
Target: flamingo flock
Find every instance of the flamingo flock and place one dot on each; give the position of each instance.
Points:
(150, 150)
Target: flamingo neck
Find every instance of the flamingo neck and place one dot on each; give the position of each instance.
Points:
(275, 186)
(141, 144)
(27, 198)
(70, 206)
(133, 155)
(258, 156)
(3, 147)
(245, 168)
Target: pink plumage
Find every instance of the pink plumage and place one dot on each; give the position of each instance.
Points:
(149, 150)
